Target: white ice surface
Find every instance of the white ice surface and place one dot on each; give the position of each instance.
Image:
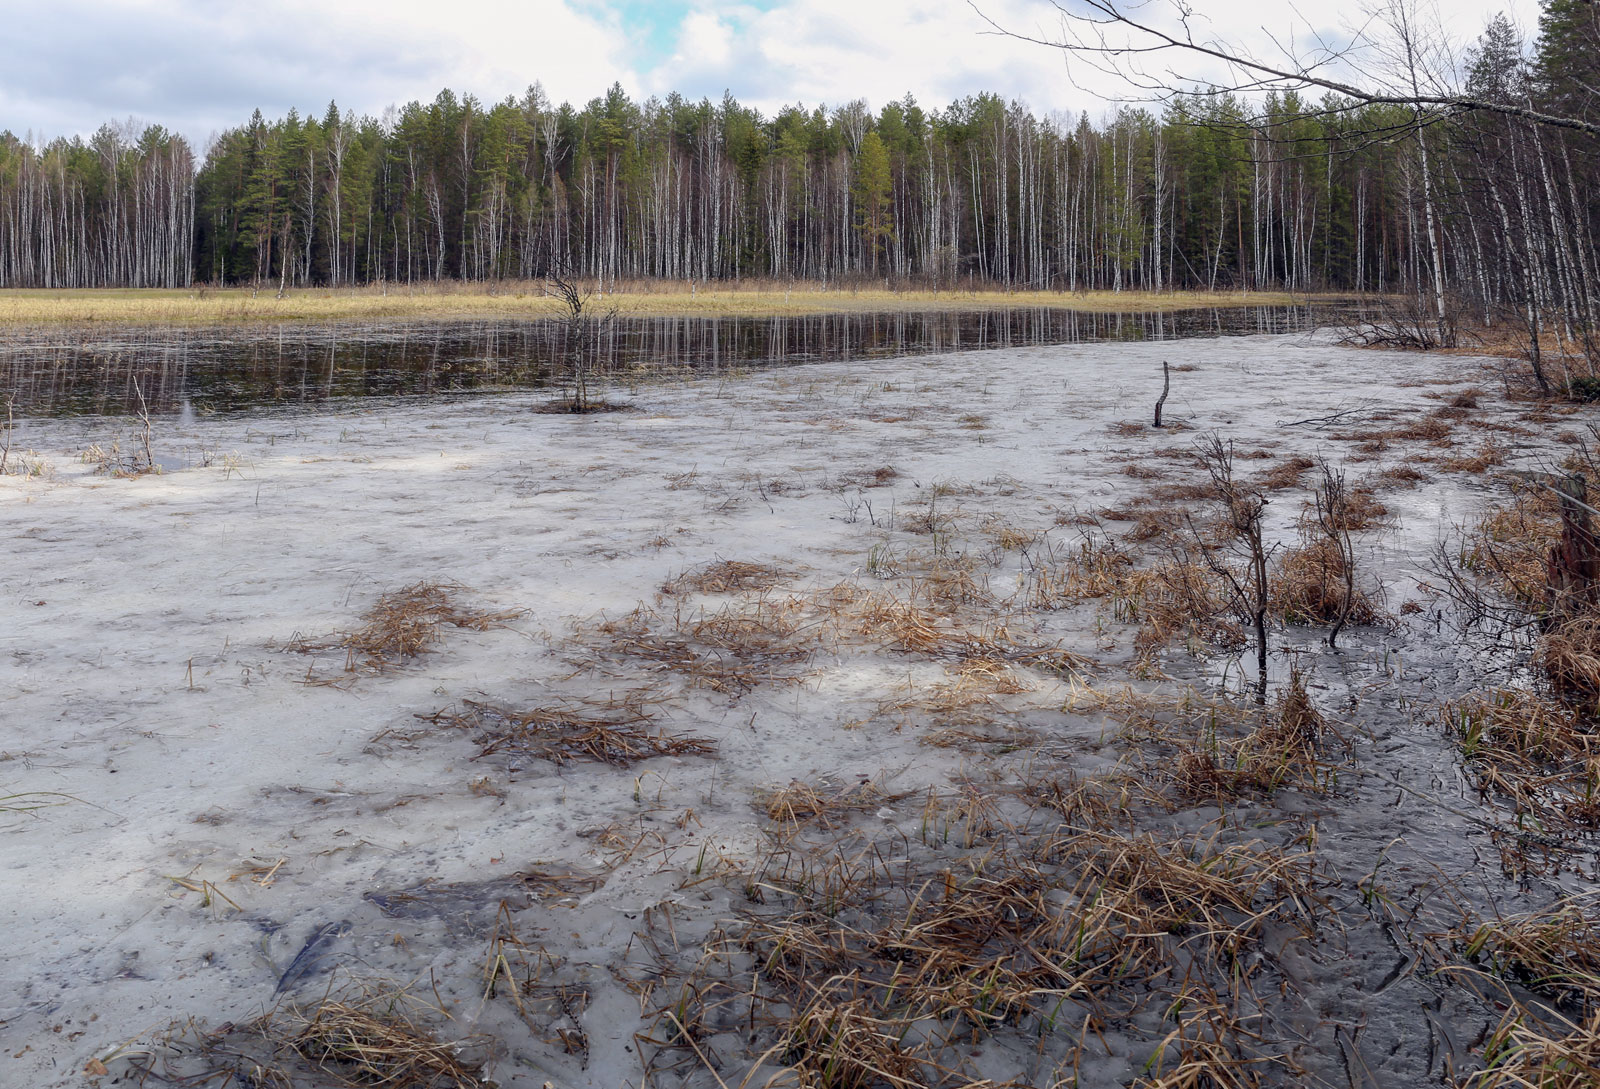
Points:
(144, 673)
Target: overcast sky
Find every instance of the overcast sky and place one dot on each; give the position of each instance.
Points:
(200, 66)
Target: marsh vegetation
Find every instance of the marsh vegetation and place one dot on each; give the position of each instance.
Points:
(930, 721)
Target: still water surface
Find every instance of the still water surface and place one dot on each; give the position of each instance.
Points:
(298, 367)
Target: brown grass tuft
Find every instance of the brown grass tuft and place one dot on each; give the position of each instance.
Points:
(376, 1044)
(727, 577)
(1489, 455)
(364, 1037)
(1402, 476)
(617, 734)
(1554, 952)
(821, 805)
(1524, 1052)
(1286, 474)
(1510, 547)
(1531, 751)
(1568, 654)
(1310, 588)
(406, 623)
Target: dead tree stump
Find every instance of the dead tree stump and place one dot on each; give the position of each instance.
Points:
(1572, 578)
(1166, 387)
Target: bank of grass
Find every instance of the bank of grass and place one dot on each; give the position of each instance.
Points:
(203, 306)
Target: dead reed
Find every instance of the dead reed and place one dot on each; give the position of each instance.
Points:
(727, 577)
(1528, 1053)
(908, 628)
(375, 1043)
(406, 623)
(1210, 752)
(747, 643)
(1534, 752)
(365, 1036)
(1510, 547)
(1567, 654)
(1555, 952)
(1488, 455)
(822, 805)
(859, 966)
(970, 698)
(613, 733)
(1311, 587)
(1286, 474)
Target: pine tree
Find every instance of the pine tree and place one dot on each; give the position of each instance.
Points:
(873, 197)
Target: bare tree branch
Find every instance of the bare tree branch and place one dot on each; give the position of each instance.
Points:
(1085, 37)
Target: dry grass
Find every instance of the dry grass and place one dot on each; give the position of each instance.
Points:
(822, 805)
(1533, 752)
(527, 299)
(1361, 510)
(375, 1043)
(1568, 655)
(1285, 474)
(727, 577)
(1009, 538)
(970, 699)
(867, 969)
(365, 1037)
(1524, 1053)
(1488, 455)
(733, 650)
(612, 733)
(406, 623)
(881, 477)
(1309, 588)
(1401, 476)
(1202, 764)
(1510, 547)
(908, 628)
(1178, 595)
(1555, 952)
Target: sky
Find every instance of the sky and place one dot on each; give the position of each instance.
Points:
(201, 66)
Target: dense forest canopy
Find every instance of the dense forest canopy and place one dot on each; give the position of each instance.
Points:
(1207, 193)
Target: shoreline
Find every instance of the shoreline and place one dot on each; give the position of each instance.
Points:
(31, 308)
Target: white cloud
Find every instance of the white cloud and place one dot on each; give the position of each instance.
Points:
(200, 65)
(197, 66)
(835, 50)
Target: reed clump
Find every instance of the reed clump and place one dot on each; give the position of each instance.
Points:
(1554, 952)
(1289, 473)
(371, 1044)
(1510, 547)
(747, 643)
(909, 628)
(617, 733)
(364, 1036)
(727, 577)
(1567, 654)
(1532, 751)
(1552, 1053)
(1210, 752)
(1313, 585)
(822, 805)
(861, 967)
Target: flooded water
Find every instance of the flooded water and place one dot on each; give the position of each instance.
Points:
(208, 371)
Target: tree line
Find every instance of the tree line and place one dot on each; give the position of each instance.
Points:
(115, 211)
(1211, 191)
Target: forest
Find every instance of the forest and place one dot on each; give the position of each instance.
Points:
(1211, 191)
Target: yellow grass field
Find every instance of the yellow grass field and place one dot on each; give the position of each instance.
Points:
(202, 306)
